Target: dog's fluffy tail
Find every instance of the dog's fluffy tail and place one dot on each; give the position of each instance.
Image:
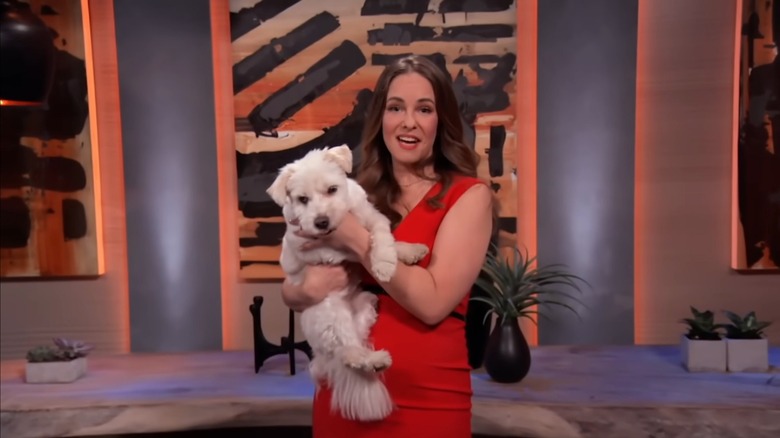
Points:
(358, 395)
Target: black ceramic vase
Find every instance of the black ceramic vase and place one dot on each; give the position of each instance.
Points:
(507, 356)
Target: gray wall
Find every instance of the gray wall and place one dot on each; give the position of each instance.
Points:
(586, 110)
(167, 107)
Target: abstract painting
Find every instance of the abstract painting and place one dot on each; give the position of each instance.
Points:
(48, 204)
(757, 219)
(303, 74)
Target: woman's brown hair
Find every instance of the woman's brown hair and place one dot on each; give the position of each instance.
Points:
(451, 156)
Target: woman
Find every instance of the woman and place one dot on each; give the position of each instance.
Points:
(417, 171)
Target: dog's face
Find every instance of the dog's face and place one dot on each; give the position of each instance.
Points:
(313, 190)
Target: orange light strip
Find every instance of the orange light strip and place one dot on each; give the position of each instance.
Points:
(94, 135)
(105, 118)
(526, 131)
(6, 102)
(226, 167)
(735, 134)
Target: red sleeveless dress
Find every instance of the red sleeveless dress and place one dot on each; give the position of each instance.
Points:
(430, 379)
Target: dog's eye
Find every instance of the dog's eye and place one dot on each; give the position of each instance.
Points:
(332, 189)
(303, 199)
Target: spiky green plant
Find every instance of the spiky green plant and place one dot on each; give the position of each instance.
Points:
(45, 353)
(702, 326)
(514, 286)
(747, 327)
(63, 350)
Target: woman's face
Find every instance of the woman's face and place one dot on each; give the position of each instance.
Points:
(410, 120)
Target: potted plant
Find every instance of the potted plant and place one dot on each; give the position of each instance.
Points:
(512, 289)
(703, 348)
(746, 347)
(64, 362)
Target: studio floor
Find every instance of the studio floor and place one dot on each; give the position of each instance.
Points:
(571, 392)
(264, 432)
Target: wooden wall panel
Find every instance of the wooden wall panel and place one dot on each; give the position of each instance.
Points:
(685, 132)
(49, 193)
(93, 309)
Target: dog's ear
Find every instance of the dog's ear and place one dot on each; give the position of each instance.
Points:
(342, 156)
(278, 189)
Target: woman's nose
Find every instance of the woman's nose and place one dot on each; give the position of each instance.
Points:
(409, 121)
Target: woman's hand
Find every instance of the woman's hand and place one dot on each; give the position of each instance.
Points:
(350, 235)
(318, 281)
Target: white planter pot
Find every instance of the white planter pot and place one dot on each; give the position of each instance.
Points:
(56, 372)
(701, 356)
(748, 355)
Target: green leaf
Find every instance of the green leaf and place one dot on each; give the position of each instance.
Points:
(733, 317)
(558, 303)
(750, 320)
(514, 285)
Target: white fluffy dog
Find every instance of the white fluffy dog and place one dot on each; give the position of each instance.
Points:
(315, 193)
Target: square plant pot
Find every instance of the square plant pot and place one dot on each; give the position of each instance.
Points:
(702, 356)
(55, 372)
(747, 355)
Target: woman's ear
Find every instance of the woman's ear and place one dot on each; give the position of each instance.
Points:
(278, 189)
(341, 155)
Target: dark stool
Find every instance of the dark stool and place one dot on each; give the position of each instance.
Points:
(265, 349)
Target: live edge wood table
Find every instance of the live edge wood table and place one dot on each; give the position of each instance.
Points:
(604, 392)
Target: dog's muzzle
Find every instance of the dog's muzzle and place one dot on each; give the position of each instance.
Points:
(321, 223)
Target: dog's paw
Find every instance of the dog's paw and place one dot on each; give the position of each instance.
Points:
(365, 360)
(411, 253)
(377, 361)
(353, 357)
(383, 268)
(365, 300)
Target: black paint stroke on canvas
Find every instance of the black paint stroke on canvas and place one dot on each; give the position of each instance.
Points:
(336, 66)
(74, 219)
(404, 34)
(15, 227)
(247, 19)
(394, 7)
(474, 5)
(266, 234)
(496, 150)
(255, 66)
(476, 59)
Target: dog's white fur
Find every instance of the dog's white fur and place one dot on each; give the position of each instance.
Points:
(315, 192)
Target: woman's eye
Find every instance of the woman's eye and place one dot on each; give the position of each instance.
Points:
(332, 190)
(426, 109)
(303, 199)
(393, 108)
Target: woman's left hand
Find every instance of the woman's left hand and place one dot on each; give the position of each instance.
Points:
(342, 237)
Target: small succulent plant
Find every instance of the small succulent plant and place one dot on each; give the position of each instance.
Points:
(747, 327)
(63, 350)
(702, 326)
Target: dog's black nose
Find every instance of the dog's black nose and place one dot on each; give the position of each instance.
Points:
(321, 222)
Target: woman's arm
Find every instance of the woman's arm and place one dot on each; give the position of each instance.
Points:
(294, 296)
(457, 257)
(318, 281)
